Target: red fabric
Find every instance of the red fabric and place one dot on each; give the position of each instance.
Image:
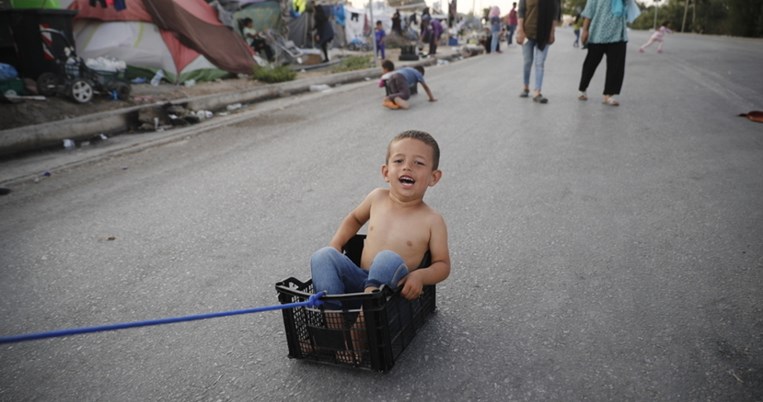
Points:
(189, 27)
(220, 45)
(182, 55)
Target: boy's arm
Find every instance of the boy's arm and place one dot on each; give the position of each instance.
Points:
(352, 223)
(414, 282)
(428, 91)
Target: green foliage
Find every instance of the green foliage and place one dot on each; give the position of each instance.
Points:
(273, 75)
(354, 63)
(716, 17)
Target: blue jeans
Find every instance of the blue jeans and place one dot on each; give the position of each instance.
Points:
(531, 53)
(335, 273)
(496, 36)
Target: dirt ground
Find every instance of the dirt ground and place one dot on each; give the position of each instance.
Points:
(28, 112)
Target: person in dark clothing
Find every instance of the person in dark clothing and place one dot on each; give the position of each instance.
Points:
(324, 31)
(396, 26)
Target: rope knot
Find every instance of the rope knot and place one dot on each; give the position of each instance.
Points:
(315, 300)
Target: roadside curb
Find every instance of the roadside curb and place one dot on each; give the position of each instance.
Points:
(45, 135)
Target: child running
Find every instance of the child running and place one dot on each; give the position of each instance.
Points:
(657, 36)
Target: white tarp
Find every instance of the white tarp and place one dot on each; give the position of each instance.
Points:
(140, 45)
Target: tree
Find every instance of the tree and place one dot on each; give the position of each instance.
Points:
(716, 17)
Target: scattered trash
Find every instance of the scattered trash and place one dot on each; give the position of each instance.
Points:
(189, 83)
(111, 238)
(103, 137)
(7, 72)
(319, 88)
(68, 145)
(233, 107)
(157, 77)
(84, 144)
(106, 64)
(156, 123)
(138, 80)
(4, 191)
(23, 97)
(204, 114)
(223, 114)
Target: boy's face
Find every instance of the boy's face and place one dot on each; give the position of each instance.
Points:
(409, 169)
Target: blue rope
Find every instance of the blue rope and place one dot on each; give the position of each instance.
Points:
(313, 301)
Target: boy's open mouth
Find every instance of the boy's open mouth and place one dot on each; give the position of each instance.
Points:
(407, 180)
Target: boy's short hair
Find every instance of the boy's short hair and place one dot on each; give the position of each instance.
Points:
(247, 20)
(378, 22)
(420, 69)
(388, 65)
(422, 136)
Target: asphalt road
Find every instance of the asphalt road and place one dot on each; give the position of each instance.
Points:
(599, 253)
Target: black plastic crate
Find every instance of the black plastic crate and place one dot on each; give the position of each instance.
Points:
(372, 340)
(371, 336)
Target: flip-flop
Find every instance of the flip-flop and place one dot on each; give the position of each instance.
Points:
(524, 94)
(755, 115)
(582, 97)
(540, 99)
(610, 101)
(390, 105)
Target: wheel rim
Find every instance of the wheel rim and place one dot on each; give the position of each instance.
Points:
(82, 91)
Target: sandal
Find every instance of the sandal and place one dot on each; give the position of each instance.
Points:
(390, 105)
(525, 93)
(610, 101)
(582, 96)
(540, 99)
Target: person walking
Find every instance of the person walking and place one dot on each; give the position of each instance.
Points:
(511, 22)
(379, 35)
(535, 32)
(324, 31)
(604, 32)
(396, 23)
(437, 30)
(495, 28)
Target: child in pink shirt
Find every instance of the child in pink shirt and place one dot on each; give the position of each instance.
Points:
(657, 36)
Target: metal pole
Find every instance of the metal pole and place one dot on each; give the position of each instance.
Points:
(655, 14)
(373, 28)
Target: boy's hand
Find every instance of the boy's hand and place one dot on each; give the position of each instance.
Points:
(412, 286)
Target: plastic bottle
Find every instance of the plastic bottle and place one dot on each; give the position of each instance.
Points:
(157, 77)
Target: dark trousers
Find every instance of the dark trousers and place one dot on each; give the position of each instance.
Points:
(325, 50)
(433, 45)
(259, 45)
(615, 66)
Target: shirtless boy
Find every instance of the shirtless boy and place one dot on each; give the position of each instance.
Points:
(401, 228)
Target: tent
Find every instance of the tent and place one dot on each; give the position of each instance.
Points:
(349, 23)
(182, 37)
